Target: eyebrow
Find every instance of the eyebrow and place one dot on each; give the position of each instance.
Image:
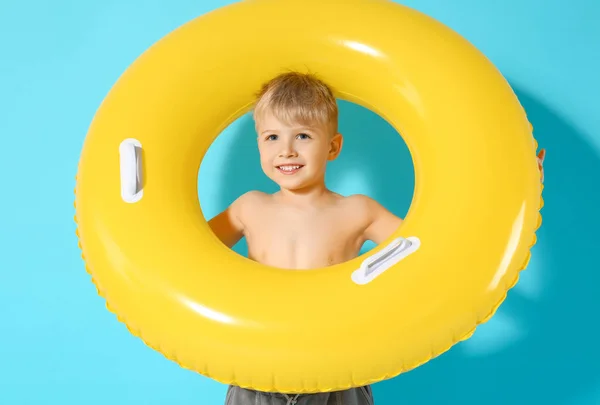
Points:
(312, 129)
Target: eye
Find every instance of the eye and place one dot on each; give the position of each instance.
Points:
(303, 136)
(271, 137)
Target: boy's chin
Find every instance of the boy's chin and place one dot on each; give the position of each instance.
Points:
(294, 182)
(291, 184)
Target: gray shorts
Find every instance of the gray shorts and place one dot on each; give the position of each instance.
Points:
(352, 396)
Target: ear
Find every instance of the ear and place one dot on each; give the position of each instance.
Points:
(335, 146)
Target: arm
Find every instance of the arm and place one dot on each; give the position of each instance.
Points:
(382, 223)
(227, 225)
(540, 159)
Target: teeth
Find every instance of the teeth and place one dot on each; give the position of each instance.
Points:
(289, 168)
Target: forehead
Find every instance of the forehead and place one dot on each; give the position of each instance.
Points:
(269, 121)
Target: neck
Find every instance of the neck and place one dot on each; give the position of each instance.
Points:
(306, 196)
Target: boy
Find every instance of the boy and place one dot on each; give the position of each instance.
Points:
(304, 225)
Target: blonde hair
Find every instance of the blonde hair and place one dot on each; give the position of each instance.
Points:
(295, 97)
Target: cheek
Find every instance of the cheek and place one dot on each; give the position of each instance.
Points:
(318, 153)
(263, 151)
(264, 161)
(266, 157)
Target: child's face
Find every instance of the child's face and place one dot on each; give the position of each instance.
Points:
(295, 156)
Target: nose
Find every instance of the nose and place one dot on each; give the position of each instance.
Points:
(288, 150)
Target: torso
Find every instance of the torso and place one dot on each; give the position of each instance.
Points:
(293, 237)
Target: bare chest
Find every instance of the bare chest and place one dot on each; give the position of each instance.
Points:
(294, 239)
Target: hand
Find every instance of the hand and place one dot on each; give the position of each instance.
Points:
(540, 159)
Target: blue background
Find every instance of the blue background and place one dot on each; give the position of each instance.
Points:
(58, 343)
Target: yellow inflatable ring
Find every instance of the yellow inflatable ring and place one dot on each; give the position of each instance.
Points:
(464, 240)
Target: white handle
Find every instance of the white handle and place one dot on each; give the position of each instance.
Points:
(130, 153)
(376, 264)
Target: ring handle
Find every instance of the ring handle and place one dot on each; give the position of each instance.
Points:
(130, 154)
(376, 264)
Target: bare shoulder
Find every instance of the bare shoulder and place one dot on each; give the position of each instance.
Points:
(362, 203)
(372, 207)
(357, 208)
(248, 201)
(251, 197)
(379, 222)
(231, 224)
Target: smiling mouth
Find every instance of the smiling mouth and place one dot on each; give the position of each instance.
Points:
(289, 169)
